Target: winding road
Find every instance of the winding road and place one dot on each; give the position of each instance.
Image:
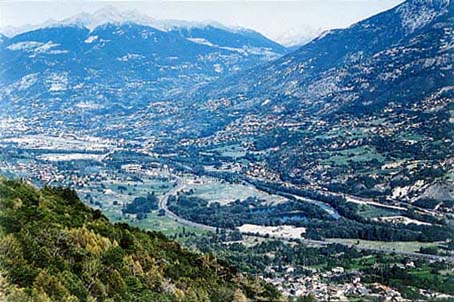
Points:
(164, 199)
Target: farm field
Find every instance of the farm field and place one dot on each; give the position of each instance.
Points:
(359, 154)
(118, 191)
(409, 247)
(163, 224)
(233, 151)
(215, 190)
(369, 211)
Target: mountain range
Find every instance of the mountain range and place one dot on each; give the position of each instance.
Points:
(120, 65)
(346, 139)
(336, 113)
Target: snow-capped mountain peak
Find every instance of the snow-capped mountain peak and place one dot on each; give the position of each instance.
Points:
(112, 15)
(108, 14)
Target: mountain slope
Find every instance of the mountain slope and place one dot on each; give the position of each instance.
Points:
(365, 110)
(246, 40)
(54, 248)
(370, 60)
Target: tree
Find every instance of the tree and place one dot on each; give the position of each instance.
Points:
(238, 296)
(306, 298)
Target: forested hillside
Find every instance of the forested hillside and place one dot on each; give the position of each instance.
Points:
(54, 248)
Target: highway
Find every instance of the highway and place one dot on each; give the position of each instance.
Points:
(163, 200)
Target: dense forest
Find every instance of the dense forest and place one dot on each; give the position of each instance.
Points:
(141, 206)
(239, 212)
(54, 248)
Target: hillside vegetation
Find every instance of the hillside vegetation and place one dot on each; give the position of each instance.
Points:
(54, 248)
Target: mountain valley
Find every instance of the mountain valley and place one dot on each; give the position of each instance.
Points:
(338, 154)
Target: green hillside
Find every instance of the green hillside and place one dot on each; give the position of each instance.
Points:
(54, 248)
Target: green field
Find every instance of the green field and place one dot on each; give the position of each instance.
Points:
(223, 192)
(369, 211)
(113, 193)
(359, 154)
(400, 246)
(163, 224)
(356, 133)
(233, 151)
(122, 191)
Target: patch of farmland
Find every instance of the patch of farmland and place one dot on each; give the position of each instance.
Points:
(282, 231)
(215, 190)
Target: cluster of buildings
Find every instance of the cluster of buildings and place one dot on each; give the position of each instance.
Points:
(260, 171)
(334, 285)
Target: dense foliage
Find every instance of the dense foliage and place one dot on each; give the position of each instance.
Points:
(142, 205)
(54, 248)
(239, 212)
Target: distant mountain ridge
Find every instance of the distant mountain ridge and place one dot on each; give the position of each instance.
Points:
(119, 65)
(110, 14)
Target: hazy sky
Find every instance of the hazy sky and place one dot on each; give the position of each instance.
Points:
(280, 20)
